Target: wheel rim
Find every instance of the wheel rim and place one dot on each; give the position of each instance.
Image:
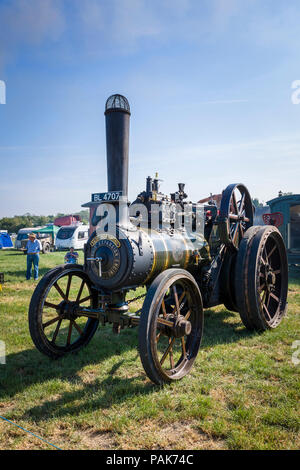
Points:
(271, 281)
(175, 347)
(61, 328)
(236, 208)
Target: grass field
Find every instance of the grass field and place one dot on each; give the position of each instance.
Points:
(242, 393)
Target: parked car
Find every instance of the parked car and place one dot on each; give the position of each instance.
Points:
(44, 238)
(72, 236)
(23, 235)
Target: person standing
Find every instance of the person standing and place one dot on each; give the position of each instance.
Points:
(33, 248)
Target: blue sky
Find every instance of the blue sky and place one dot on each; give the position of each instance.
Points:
(208, 81)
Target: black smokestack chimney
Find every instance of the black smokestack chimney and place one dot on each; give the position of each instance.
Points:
(117, 116)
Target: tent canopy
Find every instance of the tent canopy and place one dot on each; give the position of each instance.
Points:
(47, 229)
(5, 241)
(51, 229)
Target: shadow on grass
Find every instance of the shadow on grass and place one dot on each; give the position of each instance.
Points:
(218, 330)
(30, 367)
(13, 253)
(22, 274)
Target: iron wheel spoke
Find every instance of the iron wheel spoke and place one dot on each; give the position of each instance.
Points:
(80, 290)
(56, 331)
(50, 322)
(77, 327)
(242, 204)
(85, 299)
(59, 290)
(68, 286)
(272, 251)
(241, 230)
(267, 311)
(274, 297)
(262, 288)
(234, 203)
(163, 321)
(235, 233)
(49, 304)
(263, 261)
(177, 309)
(167, 351)
(187, 315)
(172, 364)
(264, 297)
(163, 306)
(176, 300)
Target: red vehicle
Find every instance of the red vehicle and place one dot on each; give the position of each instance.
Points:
(67, 220)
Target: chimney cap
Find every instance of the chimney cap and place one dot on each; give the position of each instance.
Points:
(117, 103)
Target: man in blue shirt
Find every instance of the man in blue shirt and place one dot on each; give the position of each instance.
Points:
(33, 248)
(72, 256)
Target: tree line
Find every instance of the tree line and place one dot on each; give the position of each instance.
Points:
(14, 224)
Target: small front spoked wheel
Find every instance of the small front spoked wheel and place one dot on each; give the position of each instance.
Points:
(55, 325)
(171, 326)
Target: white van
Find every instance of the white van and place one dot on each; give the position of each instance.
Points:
(72, 236)
(22, 235)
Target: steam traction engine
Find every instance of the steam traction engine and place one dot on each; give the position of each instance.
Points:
(188, 256)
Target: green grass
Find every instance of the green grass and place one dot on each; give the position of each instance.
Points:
(242, 393)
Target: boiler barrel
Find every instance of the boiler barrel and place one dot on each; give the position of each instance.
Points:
(133, 258)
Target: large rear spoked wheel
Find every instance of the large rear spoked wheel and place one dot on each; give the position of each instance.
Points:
(55, 326)
(265, 279)
(171, 326)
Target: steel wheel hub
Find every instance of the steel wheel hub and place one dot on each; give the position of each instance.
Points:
(68, 310)
(270, 277)
(181, 327)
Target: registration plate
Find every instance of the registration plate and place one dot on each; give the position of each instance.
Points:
(109, 196)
